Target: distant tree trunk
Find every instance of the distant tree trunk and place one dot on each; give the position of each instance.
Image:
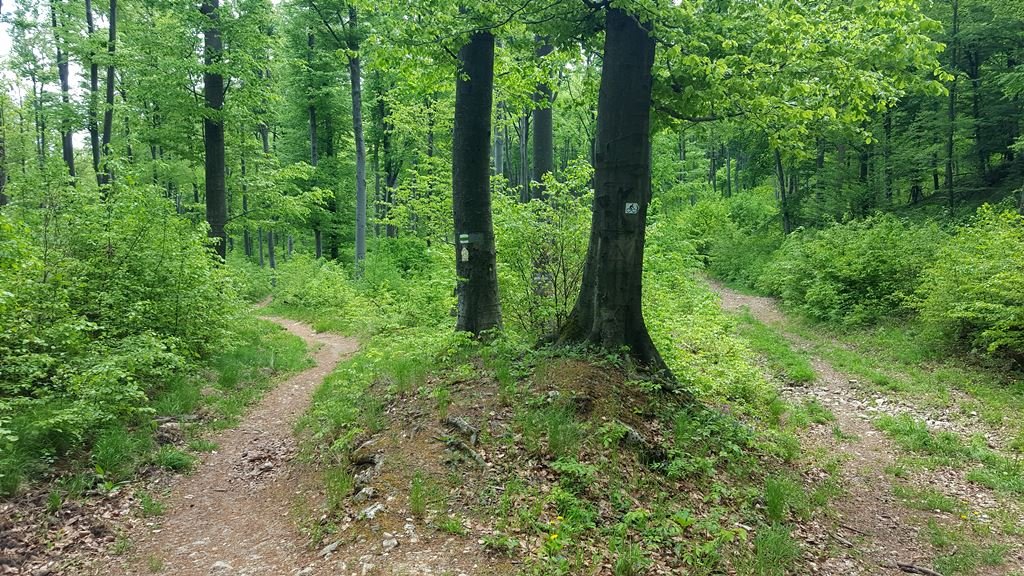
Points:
(3, 157)
(608, 312)
(357, 129)
(980, 148)
(67, 145)
(728, 174)
(887, 156)
(935, 172)
(780, 178)
(259, 234)
(94, 90)
(246, 237)
(954, 57)
(105, 174)
(479, 308)
(271, 253)
(543, 127)
(314, 153)
(524, 158)
(499, 141)
(213, 128)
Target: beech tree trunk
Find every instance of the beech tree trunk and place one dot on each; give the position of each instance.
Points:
(357, 128)
(524, 158)
(105, 174)
(543, 128)
(94, 89)
(67, 145)
(213, 128)
(499, 141)
(951, 108)
(780, 178)
(608, 312)
(479, 309)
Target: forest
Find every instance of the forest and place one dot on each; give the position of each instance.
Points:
(537, 287)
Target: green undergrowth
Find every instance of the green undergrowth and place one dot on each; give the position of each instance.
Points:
(600, 465)
(988, 467)
(206, 395)
(784, 362)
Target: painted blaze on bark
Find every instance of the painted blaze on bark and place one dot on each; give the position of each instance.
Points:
(608, 312)
(477, 288)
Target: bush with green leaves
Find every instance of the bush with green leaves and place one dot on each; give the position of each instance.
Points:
(102, 303)
(853, 273)
(541, 247)
(971, 291)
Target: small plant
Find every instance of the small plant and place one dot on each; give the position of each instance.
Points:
(781, 496)
(155, 564)
(418, 496)
(202, 445)
(499, 543)
(775, 551)
(927, 499)
(54, 501)
(631, 561)
(574, 474)
(121, 546)
(171, 458)
(149, 506)
(338, 484)
(442, 396)
(452, 525)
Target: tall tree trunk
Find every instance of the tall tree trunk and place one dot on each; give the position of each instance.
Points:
(524, 158)
(314, 152)
(728, 173)
(271, 253)
(780, 178)
(479, 308)
(213, 128)
(608, 311)
(94, 94)
(246, 236)
(357, 128)
(499, 140)
(67, 145)
(105, 174)
(954, 56)
(259, 234)
(887, 156)
(3, 156)
(543, 127)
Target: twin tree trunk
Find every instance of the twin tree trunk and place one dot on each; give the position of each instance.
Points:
(213, 129)
(479, 309)
(103, 175)
(608, 313)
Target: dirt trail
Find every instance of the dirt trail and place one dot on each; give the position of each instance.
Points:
(872, 529)
(233, 515)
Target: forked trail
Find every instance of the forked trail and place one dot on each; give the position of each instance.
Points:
(233, 516)
(870, 530)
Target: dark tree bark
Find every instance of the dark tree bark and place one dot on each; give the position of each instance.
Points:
(951, 106)
(67, 145)
(608, 311)
(314, 151)
(94, 91)
(259, 234)
(728, 173)
(543, 128)
(213, 128)
(887, 156)
(780, 178)
(479, 309)
(271, 253)
(105, 174)
(357, 128)
(246, 236)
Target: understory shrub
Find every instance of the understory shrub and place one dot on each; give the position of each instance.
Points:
(853, 273)
(100, 307)
(971, 292)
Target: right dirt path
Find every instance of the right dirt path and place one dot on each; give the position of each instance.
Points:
(869, 529)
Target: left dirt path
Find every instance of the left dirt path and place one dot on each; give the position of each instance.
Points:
(233, 516)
